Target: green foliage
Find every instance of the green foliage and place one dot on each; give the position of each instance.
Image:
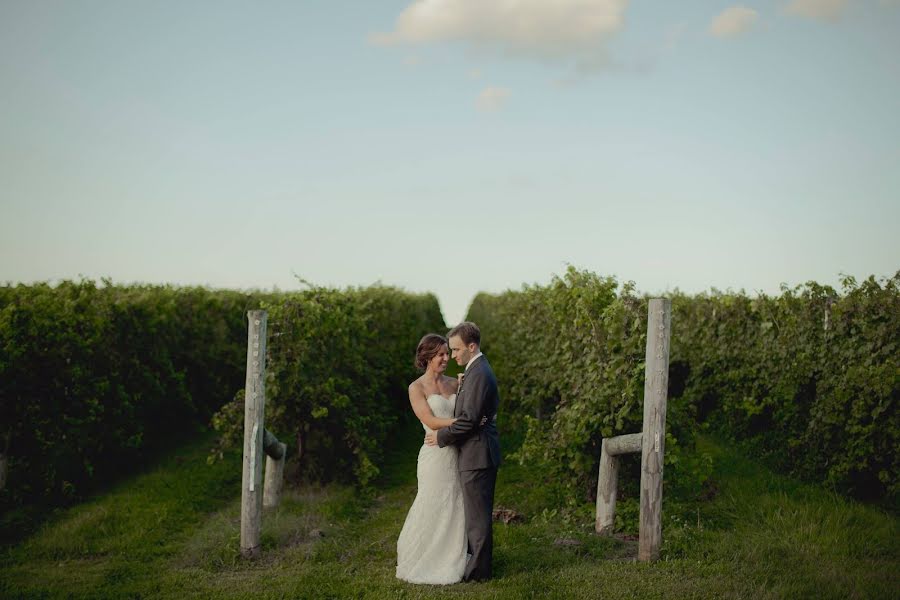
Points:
(809, 379)
(338, 365)
(92, 375)
(570, 359)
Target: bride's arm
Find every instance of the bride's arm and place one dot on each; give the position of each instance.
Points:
(423, 411)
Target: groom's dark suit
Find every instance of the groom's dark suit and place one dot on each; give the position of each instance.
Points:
(479, 457)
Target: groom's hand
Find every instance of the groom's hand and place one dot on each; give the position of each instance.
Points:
(431, 439)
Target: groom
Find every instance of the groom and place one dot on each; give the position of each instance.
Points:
(479, 446)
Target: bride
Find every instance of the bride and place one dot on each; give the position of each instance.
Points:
(432, 544)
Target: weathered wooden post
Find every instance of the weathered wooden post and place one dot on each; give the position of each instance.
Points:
(656, 386)
(608, 483)
(275, 454)
(254, 413)
(650, 442)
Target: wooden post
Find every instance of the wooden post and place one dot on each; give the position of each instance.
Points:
(607, 489)
(608, 483)
(659, 325)
(276, 452)
(254, 413)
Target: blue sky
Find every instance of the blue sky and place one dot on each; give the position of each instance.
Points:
(450, 146)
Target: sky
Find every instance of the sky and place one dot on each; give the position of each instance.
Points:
(450, 146)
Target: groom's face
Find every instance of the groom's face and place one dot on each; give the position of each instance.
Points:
(461, 353)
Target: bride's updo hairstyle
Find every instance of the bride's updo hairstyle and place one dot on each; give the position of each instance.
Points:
(428, 348)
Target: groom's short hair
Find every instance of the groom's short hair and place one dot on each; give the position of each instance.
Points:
(468, 332)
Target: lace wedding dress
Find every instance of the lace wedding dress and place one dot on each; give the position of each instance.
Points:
(432, 544)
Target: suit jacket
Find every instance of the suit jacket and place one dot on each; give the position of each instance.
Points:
(479, 446)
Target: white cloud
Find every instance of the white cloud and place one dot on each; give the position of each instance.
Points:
(823, 10)
(492, 99)
(733, 21)
(540, 28)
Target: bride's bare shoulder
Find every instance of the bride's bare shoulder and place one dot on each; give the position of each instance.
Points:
(451, 382)
(415, 386)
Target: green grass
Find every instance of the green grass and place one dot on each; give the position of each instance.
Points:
(174, 533)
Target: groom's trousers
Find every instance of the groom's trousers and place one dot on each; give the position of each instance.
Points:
(478, 498)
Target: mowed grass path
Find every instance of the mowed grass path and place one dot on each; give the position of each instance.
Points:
(173, 533)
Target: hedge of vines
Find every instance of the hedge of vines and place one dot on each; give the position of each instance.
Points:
(92, 375)
(338, 365)
(810, 378)
(570, 359)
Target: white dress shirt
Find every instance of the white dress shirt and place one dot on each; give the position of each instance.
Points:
(473, 359)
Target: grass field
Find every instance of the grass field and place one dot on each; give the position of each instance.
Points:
(173, 532)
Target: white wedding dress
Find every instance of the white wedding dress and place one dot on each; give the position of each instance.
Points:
(432, 544)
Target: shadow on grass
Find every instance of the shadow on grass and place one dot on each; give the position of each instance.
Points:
(174, 533)
(18, 523)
